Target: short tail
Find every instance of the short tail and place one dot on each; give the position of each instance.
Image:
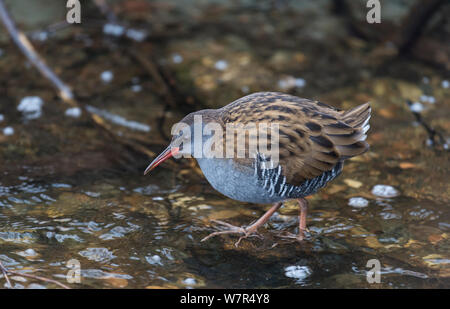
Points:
(353, 143)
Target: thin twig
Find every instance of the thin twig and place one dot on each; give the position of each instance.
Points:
(28, 50)
(64, 91)
(435, 137)
(5, 273)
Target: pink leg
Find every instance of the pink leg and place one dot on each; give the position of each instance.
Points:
(302, 217)
(246, 231)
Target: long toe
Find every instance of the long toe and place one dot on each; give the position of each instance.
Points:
(226, 228)
(298, 237)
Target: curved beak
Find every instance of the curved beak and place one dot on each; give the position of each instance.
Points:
(166, 154)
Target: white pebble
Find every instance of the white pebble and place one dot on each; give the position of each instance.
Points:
(137, 35)
(2, 117)
(31, 107)
(426, 98)
(221, 65)
(190, 281)
(290, 82)
(177, 58)
(8, 131)
(107, 76)
(384, 191)
(136, 88)
(297, 272)
(74, 112)
(358, 202)
(425, 80)
(28, 252)
(287, 82)
(417, 107)
(113, 29)
(445, 83)
(153, 260)
(300, 82)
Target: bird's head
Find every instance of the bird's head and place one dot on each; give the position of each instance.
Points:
(188, 138)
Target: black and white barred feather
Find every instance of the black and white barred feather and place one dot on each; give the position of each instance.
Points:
(272, 179)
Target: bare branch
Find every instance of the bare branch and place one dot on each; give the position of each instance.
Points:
(6, 271)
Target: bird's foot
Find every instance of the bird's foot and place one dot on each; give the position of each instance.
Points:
(231, 229)
(300, 237)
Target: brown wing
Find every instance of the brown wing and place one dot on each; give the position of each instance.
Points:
(314, 137)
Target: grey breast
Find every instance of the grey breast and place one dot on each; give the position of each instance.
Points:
(236, 182)
(257, 184)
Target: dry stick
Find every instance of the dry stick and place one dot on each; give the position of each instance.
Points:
(434, 136)
(64, 91)
(27, 49)
(5, 271)
(415, 22)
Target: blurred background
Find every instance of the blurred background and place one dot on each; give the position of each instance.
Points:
(73, 147)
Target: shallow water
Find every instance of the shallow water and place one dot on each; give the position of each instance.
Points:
(67, 193)
(135, 232)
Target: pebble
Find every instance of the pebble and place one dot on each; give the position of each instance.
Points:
(2, 117)
(427, 98)
(177, 58)
(297, 272)
(384, 191)
(31, 107)
(98, 254)
(137, 35)
(290, 82)
(74, 112)
(358, 202)
(136, 88)
(221, 65)
(445, 84)
(300, 82)
(154, 260)
(353, 183)
(29, 252)
(190, 281)
(417, 107)
(8, 131)
(113, 29)
(107, 76)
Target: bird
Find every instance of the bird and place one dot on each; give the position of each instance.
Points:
(313, 141)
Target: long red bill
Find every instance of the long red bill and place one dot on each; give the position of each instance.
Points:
(166, 154)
